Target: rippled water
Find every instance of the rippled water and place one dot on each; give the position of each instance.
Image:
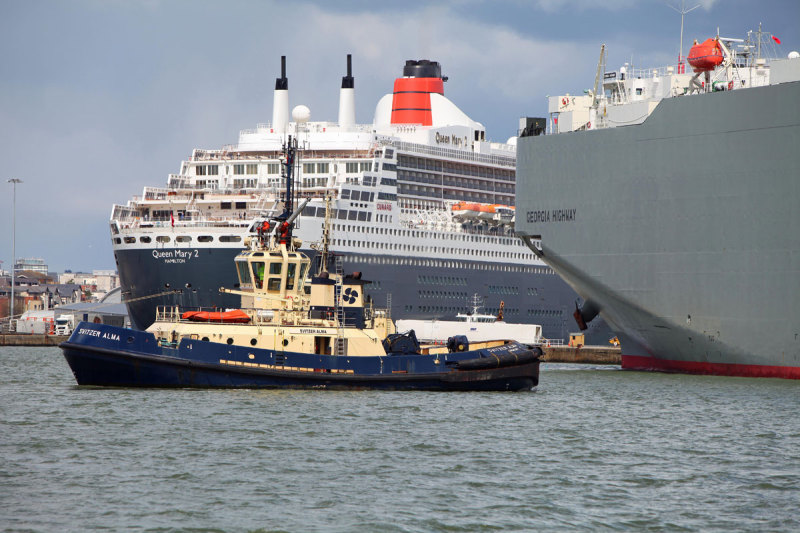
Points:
(590, 449)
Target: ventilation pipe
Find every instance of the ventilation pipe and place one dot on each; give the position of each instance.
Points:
(280, 101)
(347, 98)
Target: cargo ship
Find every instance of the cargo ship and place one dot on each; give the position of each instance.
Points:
(421, 198)
(668, 199)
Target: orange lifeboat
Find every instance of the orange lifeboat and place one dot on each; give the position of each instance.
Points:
(235, 316)
(706, 56)
(466, 209)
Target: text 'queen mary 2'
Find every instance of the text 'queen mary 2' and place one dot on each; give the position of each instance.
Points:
(421, 200)
(670, 201)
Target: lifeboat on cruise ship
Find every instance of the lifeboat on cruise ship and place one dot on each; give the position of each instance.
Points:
(234, 316)
(486, 212)
(503, 214)
(706, 56)
(466, 209)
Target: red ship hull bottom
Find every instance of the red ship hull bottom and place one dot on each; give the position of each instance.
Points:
(638, 362)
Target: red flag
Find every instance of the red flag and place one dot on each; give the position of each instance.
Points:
(172, 219)
(776, 39)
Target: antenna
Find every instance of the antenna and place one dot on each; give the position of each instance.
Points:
(683, 11)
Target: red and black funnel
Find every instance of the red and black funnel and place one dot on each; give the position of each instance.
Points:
(411, 102)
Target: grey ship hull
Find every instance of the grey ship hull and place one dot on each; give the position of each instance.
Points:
(683, 230)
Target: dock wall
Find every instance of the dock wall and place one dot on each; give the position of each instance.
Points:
(36, 339)
(587, 355)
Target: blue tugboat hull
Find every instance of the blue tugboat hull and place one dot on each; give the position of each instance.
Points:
(102, 355)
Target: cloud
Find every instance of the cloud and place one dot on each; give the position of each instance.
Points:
(553, 6)
(491, 67)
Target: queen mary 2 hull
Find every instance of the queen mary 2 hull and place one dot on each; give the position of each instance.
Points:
(683, 231)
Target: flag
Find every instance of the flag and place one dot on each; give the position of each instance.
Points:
(776, 39)
(172, 219)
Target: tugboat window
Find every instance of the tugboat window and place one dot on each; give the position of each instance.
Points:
(275, 269)
(290, 272)
(244, 274)
(258, 274)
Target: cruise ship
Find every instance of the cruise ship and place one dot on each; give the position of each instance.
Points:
(422, 202)
(669, 200)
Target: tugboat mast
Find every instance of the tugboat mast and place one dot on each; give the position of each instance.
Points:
(284, 227)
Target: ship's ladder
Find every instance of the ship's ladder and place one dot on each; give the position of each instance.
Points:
(340, 346)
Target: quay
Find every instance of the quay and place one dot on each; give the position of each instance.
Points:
(587, 355)
(31, 339)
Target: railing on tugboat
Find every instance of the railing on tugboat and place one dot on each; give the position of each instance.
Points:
(264, 317)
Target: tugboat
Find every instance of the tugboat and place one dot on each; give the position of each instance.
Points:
(291, 333)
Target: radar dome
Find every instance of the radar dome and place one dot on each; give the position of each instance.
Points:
(301, 113)
(794, 54)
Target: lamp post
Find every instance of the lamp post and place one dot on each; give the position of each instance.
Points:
(13, 182)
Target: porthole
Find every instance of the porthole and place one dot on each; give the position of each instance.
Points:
(144, 239)
(162, 238)
(205, 339)
(205, 238)
(230, 340)
(183, 238)
(253, 342)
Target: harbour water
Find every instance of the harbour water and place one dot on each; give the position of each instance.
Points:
(589, 449)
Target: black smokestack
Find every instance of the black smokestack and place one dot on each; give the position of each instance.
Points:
(347, 81)
(282, 83)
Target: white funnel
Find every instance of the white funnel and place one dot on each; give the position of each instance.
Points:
(280, 101)
(347, 98)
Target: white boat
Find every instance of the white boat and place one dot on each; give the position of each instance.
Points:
(475, 326)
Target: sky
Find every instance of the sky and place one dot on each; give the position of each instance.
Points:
(99, 98)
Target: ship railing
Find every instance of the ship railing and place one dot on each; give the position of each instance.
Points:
(315, 127)
(657, 72)
(121, 212)
(168, 313)
(551, 342)
(135, 222)
(509, 161)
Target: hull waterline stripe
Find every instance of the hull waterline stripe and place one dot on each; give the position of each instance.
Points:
(637, 362)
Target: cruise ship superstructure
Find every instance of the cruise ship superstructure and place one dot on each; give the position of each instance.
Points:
(420, 198)
(669, 200)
